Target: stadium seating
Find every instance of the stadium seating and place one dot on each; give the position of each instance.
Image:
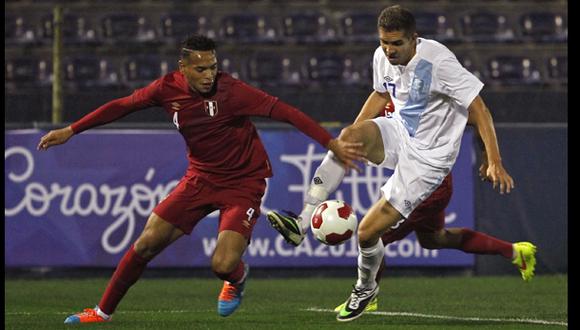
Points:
(89, 72)
(326, 69)
(138, 71)
(75, 30)
(469, 64)
(18, 30)
(123, 28)
(232, 64)
(558, 69)
(176, 27)
(307, 28)
(284, 47)
(544, 27)
(512, 70)
(272, 69)
(358, 70)
(359, 27)
(247, 28)
(26, 73)
(486, 27)
(434, 25)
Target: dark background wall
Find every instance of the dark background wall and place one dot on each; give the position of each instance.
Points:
(537, 209)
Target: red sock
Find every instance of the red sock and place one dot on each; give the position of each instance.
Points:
(235, 276)
(480, 243)
(127, 273)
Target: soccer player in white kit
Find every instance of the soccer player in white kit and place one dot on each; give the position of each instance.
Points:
(434, 96)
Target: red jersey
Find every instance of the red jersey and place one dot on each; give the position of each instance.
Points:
(223, 144)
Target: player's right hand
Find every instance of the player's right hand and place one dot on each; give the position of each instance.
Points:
(55, 137)
(348, 153)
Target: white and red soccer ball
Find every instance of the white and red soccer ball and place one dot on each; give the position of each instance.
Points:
(333, 222)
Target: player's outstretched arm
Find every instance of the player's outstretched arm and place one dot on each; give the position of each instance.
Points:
(492, 168)
(55, 137)
(375, 103)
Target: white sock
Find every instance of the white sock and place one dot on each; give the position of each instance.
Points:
(101, 313)
(326, 179)
(369, 262)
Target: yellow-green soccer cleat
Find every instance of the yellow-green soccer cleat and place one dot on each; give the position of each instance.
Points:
(372, 306)
(525, 259)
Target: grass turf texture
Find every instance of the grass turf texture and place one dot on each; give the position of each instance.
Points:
(284, 303)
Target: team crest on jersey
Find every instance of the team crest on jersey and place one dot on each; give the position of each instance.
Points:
(210, 107)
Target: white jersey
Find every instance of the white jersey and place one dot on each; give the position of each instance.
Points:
(431, 95)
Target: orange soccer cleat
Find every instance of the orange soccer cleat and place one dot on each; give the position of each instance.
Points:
(89, 315)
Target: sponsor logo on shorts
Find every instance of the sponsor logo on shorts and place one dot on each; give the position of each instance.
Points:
(317, 180)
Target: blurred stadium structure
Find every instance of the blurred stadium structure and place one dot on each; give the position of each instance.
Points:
(302, 51)
(316, 55)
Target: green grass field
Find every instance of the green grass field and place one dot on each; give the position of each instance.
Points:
(404, 303)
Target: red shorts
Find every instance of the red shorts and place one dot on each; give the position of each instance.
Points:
(194, 198)
(428, 217)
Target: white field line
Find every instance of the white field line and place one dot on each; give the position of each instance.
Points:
(448, 317)
(321, 310)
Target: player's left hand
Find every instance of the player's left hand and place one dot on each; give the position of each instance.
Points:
(499, 177)
(348, 153)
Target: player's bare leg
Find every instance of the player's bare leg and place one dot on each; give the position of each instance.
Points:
(156, 236)
(522, 254)
(227, 264)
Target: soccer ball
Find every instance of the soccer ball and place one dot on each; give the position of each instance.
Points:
(333, 222)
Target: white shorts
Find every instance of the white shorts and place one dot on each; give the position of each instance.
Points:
(413, 179)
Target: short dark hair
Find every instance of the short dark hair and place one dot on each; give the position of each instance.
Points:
(196, 42)
(397, 18)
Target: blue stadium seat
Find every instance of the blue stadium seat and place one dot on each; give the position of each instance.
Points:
(512, 70)
(26, 73)
(123, 28)
(306, 28)
(558, 69)
(247, 28)
(544, 27)
(325, 69)
(358, 69)
(469, 64)
(75, 30)
(486, 27)
(176, 27)
(232, 64)
(89, 72)
(139, 71)
(273, 69)
(359, 28)
(434, 25)
(18, 30)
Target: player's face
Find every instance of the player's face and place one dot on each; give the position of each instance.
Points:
(398, 47)
(200, 70)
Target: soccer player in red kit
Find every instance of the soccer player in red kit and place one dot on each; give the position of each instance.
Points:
(227, 167)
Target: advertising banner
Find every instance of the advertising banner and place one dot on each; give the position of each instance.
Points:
(84, 203)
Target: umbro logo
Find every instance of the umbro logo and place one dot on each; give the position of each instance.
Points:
(317, 180)
(387, 78)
